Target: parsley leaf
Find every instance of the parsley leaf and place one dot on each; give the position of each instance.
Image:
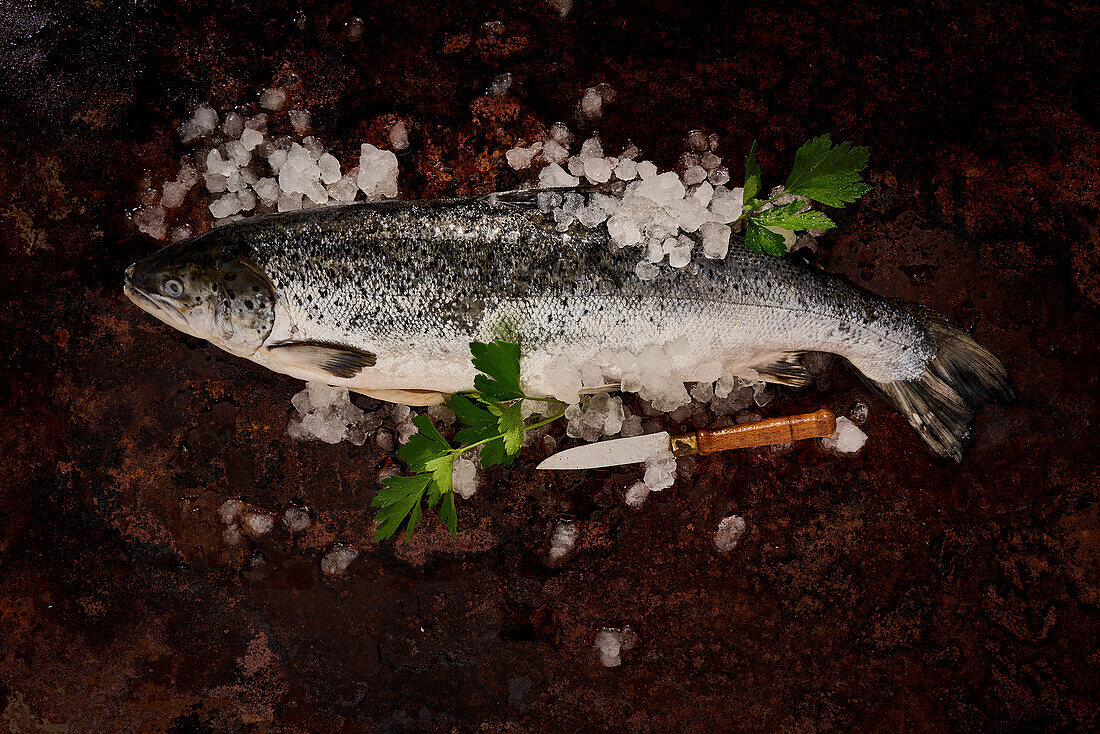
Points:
(761, 240)
(442, 469)
(753, 174)
(470, 413)
(510, 423)
(827, 174)
(790, 216)
(424, 445)
(448, 515)
(399, 498)
(494, 453)
(499, 362)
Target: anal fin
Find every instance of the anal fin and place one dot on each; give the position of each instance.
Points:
(322, 358)
(785, 368)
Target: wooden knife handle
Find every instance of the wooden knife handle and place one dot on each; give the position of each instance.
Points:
(767, 432)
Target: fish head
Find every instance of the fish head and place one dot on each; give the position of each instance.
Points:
(207, 289)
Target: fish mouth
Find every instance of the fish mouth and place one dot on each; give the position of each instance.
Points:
(153, 304)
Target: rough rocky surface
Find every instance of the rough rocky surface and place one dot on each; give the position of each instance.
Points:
(886, 591)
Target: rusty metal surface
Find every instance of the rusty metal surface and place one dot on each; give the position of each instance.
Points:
(886, 591)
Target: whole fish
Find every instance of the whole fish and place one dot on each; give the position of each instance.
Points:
(385, 297)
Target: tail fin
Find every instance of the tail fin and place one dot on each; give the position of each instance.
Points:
(962, 377)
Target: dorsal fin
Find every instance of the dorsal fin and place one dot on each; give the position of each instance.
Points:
(322, 358)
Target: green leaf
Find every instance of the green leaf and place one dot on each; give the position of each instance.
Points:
(442, 469)
(499, 362)
(469, 413)
(493, 453)
(467, 436)
(448, 514)
(761, 240)
(414, 520)
(510, 424)
(399, 498)
(753, 174)
(829, 175)
(423, 446)
(790, 216)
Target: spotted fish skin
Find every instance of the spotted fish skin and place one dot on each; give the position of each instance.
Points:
(413, 283)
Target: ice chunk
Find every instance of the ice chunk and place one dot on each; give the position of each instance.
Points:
(709, 161)
(719, 176)
(225, 206)
(257, 523)
(554, 152)
(520, 158)
(611, 642)
(247, 199)
(399, 136)
(151, 220)
(665, 189)
(500, 84)
(624, 231)
(636, 494)
(646, 270)
(337, 560)
(377, 172)
(647, 170)
(626, 169)
(203, 122)
(726, 205)
(592, 104)
(847, 439)
(696, 141)
(596, 170)
(329, 167)
(346, 188)
(267, 189)
(464, 477)
(562, 6)
(680, 255)
(694, 175)
(230, 510)
(174, 194)
(273, 99)
(296, 519)
(716, 239)
(233, 125)
(730, 530)
(563, 538)
(554, 176)
(301, 121)
(591, 148)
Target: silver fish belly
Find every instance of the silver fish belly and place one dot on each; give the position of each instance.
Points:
(411, 284)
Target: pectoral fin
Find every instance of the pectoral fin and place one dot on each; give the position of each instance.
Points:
(785, 369)
(415, 398)
(323, 359)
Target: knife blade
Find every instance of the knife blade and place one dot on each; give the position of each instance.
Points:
(636, 449)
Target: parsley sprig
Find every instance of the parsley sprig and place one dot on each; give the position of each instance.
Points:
(822, 172)
(493, 421)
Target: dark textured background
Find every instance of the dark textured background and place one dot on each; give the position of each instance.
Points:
(890, 591)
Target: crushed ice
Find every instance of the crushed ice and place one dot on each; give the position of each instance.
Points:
(246, 168)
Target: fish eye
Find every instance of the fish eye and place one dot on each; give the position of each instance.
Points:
(172, 288)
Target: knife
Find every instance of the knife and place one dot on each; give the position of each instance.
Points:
(637, 449)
